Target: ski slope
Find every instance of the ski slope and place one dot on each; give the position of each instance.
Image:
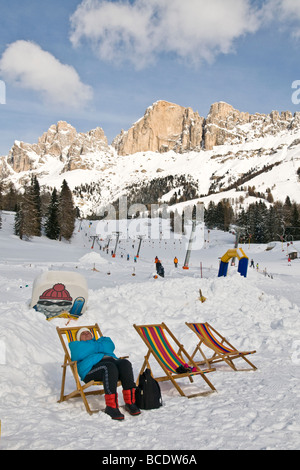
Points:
(251, 410)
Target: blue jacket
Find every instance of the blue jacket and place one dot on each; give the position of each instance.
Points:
(88, 353)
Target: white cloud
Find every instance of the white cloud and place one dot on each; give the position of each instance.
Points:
(195, 30)
(286, 13)
(288, 9)
(26, 64)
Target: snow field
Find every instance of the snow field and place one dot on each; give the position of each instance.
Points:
(251, 410)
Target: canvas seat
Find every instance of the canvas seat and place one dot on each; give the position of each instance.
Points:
(159, 341)
(214, 348)
(67, 335)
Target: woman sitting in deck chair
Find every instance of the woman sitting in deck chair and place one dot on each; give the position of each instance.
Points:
(96, 361)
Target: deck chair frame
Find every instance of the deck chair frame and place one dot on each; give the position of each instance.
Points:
(66, 335)
(181, 356)
(221, 349)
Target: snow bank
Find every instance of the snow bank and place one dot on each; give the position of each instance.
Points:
(92, 258)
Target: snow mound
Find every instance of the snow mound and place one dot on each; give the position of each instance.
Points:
(91, 258)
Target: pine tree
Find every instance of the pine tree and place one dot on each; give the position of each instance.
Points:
(273, 225)
(18, 227)
(35, 191)
(27, 218)
(210, 215)
(220, 216)
(242, 219)
(66, 212)
(228, 215)
(287, 211)
(295, 221)
(10, 199)
(250, 220)
(278, 206)
(30, 214)
(260, 222)
(51, 225)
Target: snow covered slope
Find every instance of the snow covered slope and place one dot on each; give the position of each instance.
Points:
(251, 410)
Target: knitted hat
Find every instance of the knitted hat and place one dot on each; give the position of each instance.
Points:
(78, 334)
(57, 292)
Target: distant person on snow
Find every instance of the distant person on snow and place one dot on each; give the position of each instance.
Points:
(175, 262)
(158, 265)
(96, 361)
(252, 264)
(160, 269)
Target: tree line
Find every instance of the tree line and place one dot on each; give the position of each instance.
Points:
(51, 214)
(260, 223)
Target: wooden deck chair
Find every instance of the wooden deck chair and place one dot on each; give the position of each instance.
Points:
(221, 348)
(156, 338)
(67, 335)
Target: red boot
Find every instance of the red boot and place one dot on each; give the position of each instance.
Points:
(112, 406)
(130, 405)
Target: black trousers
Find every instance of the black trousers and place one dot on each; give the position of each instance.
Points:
(110, 371)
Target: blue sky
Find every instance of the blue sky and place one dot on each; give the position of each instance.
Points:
(103, 62)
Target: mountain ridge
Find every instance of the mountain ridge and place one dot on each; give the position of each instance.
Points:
(224, 154)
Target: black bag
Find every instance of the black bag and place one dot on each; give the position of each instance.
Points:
(148, 394)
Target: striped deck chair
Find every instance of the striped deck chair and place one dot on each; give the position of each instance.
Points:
(222, 349)
(157, 339)
(66, 335)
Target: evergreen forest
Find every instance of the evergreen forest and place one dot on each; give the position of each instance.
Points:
(52, 212)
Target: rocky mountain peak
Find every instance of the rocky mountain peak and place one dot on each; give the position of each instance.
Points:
(60, 141)
(57, 138)
(165, 126)
(225, 125)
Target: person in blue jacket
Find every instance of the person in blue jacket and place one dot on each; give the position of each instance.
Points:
(96, 361)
